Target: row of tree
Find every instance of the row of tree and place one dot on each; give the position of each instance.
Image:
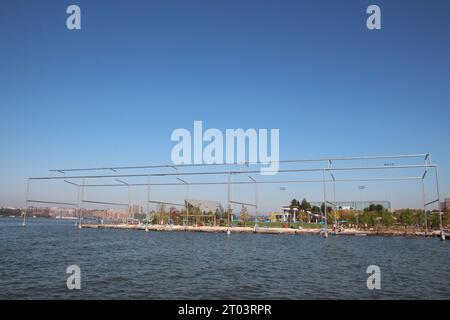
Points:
(378, 216)
(194, 216)
(10, 212)
(374, 215)
(303, 208)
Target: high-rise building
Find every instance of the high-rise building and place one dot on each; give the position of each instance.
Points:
(446, 204)
(134, 209)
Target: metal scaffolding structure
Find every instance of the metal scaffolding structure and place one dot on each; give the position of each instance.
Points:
(328, 172)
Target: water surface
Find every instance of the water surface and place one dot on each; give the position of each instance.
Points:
(127, 264)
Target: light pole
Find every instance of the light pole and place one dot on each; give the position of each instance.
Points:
(325, 204)
(256, 200)
(390, 184)
(147, 216)
(362, 204)
(129, 196)
(26, 204)
(187, 199)
(228, 202)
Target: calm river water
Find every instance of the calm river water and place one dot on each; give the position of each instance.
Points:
(122, 264)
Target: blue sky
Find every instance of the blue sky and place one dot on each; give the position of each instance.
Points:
(112, 93)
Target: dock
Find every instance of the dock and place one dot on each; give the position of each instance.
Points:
(261, 230)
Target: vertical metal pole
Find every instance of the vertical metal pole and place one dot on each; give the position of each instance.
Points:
(438, 197)
(389, 165)
(334, 197)
(148, 199)
(390, 191)
(26, 204)
(424, 207)
(228, 198)
(335, 204)
(325, 202)
(256, 204)
(78, 206)
(187, 204)
(362, 204)
(81, 204)
(129, 199)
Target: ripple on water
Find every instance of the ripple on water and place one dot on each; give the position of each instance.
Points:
(118, 264)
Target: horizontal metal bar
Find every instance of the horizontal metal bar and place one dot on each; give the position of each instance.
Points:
(356, 202)
(249, 182)
(184, 182)
(420, 155)
(236, 172)
(431, 202)
(168, 203)
(122, 182)
(245, 204)
(72, 183)
(53, 202)
(103, 202)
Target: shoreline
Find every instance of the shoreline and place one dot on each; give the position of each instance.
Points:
(262, 230)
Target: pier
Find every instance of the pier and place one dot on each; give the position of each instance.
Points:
(262, 230)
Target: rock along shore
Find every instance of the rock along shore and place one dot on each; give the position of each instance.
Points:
(262, 230)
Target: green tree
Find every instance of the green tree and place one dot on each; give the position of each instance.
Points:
(306, 206)
(294, 203)
(420, 217)
(368, 218)
(322, 208)
(162, 213)
(434, 219)
(244, 216)
(446, 218)
(387, 219)
(375, 208)
(406, 217)
(197, 213)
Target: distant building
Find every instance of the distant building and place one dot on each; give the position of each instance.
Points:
(355, 205)
(205, 206)
(287, 214)
(134, 209)
(446, 204)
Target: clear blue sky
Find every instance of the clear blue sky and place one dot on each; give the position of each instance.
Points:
(112, 93)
